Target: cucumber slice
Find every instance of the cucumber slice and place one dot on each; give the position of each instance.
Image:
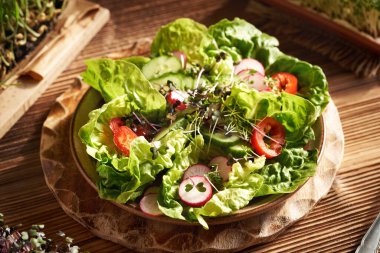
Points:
(161, 65)
(181, 81)
(220, 139)
(239, 150)
(180, 123)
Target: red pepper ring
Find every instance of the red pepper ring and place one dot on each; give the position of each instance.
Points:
(273, 130)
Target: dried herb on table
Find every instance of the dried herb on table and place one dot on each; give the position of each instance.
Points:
(34, 240)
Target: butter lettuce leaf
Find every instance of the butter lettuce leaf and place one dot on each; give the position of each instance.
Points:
(295, 113)
(240, 36)
(239, 191)
(240, 39)
(96, 133)
(137, 60)
(129, 176)
(113, 78)
(168, 200)
(288, 171)
(311, 79)
(184, 35)
(242, 186)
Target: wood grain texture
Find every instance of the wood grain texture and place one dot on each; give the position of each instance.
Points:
(336, 224)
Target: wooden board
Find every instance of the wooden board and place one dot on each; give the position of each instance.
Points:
(60, 50)
(111, 222)
(346, 31)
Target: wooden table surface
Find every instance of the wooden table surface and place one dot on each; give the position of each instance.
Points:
(338, 222)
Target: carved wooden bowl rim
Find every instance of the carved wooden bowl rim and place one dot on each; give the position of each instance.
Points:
(266, 204)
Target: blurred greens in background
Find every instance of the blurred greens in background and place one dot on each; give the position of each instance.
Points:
(362, 14)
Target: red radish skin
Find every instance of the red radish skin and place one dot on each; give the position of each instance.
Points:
(196, 170)
(249, 64)
(149, 205)
(244, 74)
(152, 190)
(181, 57)
(194, 197)
(223, 168)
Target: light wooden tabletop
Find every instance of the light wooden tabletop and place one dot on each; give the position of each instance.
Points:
(338, 222)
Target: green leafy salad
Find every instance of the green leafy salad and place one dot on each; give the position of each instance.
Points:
(213, 119)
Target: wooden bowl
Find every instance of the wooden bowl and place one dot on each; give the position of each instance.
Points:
(87, 166)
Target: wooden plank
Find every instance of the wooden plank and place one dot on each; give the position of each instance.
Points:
(16, 99)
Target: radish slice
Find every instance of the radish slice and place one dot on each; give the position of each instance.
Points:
(182, 57)
(256, 81)
(152, 190)
(196, 170)
(223, 168)
(250, 64)
(195, 191)
(149, 205)
(244, 74)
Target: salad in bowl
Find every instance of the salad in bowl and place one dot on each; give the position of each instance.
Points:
(214, 119)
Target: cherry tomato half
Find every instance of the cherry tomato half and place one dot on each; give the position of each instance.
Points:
(286, 82)
(275, 130)
(115, 123)
(177, 98)
(123, 137)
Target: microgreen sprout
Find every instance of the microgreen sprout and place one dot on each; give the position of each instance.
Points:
(33, 240)
(22, 24)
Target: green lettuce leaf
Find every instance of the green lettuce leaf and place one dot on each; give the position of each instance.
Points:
(184, 35)
(129, 176)
(242, 186)
(295, 113)
(240, 36)
(168, 200)
(97, 135)
(288, 171)
(240, 39)
(311, 79)
(138, 60)
(113, 78)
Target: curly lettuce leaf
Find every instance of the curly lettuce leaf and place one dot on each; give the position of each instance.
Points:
(240, 37)
(113, 78)
(288, 171)
(184, 35)
(295, 113)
